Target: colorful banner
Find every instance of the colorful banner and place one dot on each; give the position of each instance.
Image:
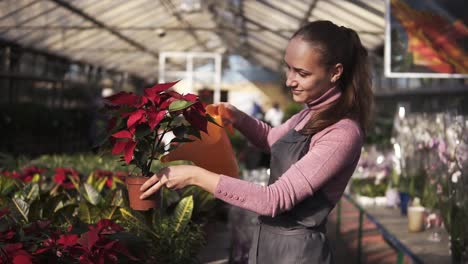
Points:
(426, 39)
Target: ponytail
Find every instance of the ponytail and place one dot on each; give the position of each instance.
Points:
(341, 45)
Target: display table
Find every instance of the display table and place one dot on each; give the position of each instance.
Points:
(394, 228)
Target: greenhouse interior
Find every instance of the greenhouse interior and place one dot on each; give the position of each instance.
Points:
(233, 131)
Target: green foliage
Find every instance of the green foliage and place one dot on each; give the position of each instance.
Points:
(9, 162)
(84, 163)
(292, 109)
(182, 213)
(24, 124)
(368, 187)
(170, 234)
(180, 247)
(380, 132)
(167, 241)
(178, 105)
(238, 141)
(7, 186)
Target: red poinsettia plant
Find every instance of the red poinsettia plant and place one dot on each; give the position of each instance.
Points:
(139, 123)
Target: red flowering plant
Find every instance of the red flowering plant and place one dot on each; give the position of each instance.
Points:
(139, 123)
(94, 246)
(100, 178)
(40, 242)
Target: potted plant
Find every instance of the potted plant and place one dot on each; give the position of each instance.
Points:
(138, 124)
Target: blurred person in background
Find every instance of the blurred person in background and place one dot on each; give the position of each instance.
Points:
(313, 153)
(274, 115)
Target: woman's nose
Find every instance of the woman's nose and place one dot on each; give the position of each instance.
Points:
(290, 80)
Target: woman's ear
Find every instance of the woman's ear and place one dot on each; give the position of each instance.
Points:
(336, 72)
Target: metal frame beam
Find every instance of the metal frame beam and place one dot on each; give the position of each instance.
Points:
(100, 24)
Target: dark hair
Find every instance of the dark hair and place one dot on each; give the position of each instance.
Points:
(341, 45)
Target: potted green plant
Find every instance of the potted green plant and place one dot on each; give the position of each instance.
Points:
(138, 124)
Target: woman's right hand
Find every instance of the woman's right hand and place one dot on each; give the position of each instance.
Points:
(230, 115)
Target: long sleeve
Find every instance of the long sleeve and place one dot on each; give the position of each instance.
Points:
(263, 135)
(333, 154)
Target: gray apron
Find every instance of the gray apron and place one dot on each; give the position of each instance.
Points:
(296, 236)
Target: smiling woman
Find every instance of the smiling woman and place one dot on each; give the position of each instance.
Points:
(306, 76)
(313, 154)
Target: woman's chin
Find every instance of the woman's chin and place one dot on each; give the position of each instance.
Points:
(298, 99)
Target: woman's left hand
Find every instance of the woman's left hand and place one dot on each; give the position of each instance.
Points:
(174, 177)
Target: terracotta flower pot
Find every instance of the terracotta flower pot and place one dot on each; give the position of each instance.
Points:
(133, 188)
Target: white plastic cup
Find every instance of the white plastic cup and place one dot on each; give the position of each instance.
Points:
(415, 218)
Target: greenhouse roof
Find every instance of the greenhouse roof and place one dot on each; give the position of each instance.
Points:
(128, 35)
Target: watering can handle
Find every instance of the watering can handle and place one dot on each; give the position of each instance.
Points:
(221, 112)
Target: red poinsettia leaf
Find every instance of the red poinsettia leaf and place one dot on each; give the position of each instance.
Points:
(107, 226)
(112, 123)
(135, 118)
(190, 97)
(10, 248)
(198, 106)
(59, 178)
(164, 105)
(110, 244)
(141, 101)
(119, 247)
(41, 250)
(17, 253)
(89, 239)
(43, 224)
(154, 118)
(123, 98)
(24, 258)
(119, 147)
(68, 240)
(196, 120)
(35, 227)
(122, 134)
(160, 87)
(152, 96)
(128, 152)
(175, 95)
(132, 130)
(4, 211)
(7, 235)
(109, 182)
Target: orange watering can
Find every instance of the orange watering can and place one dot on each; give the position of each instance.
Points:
(214, 151)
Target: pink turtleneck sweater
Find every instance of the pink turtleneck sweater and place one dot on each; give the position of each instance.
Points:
(328, 165)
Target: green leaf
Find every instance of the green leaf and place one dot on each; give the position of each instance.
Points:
(144, 145)
(170, 197)
(76, 182)
(65, 214)
(117, 199)
(91, 194)
(181, 140)
(194, 132)
(99, 185)
(31, 191)
(22, 207)
(211, 120)
(109, 213)
(88, 213)
(7, 185)
(183, 213)
(137, 222)
(179, 105)
(36, 210)
(179, 131)
(84, 212)
(91, 179)
(142, 131)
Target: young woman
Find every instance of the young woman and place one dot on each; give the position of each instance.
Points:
(313, 154)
